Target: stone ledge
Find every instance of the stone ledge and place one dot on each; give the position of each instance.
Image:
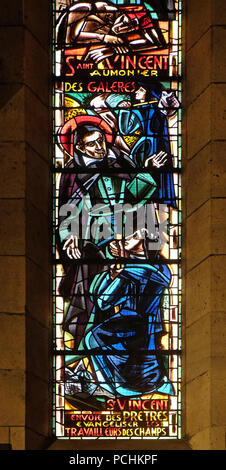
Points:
(134, 445)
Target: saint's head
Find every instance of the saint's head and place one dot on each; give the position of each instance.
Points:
(91, 142)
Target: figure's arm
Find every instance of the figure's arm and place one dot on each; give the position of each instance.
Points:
(115, 291)
(70, 221)
(82, 34)
(86, 36)
(77, 28)
(69, 215)
(69, 228)
(107, 292)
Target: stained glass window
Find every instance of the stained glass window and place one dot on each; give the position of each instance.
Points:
(117, 219)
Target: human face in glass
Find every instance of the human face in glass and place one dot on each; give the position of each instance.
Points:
(94, 145)
(140, 94)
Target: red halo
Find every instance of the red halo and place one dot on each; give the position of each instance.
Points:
(66, 134)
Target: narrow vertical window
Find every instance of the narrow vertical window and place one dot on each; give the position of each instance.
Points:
(117, 219)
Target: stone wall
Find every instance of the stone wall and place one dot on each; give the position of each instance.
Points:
(205, 222)
(25, 193)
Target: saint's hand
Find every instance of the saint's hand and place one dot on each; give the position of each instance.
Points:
(157, 160)
(71, 247)
(117, 249)
(116, 42)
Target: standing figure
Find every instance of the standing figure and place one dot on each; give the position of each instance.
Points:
(153, 148)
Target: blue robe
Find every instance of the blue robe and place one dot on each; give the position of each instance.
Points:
(155, 138)
(128, 363)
